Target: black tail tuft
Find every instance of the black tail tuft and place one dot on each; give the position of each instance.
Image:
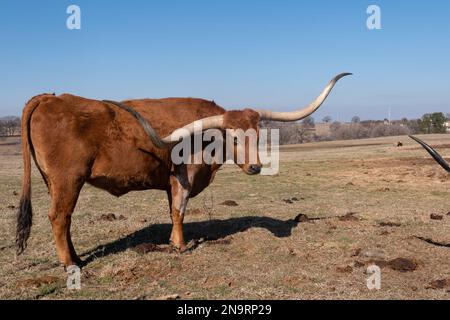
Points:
(24, 222)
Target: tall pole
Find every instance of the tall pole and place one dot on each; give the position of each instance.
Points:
(389, 115)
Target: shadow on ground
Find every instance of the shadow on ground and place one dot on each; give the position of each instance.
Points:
(212, 230)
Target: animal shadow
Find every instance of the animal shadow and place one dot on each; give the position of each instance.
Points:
(158, 234)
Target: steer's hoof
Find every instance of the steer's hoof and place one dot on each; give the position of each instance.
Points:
(71, 268)
(179, 248)
(76, 261)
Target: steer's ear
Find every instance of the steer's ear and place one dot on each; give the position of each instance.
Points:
(241, 119)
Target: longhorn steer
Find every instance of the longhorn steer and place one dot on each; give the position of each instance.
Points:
(112, 146)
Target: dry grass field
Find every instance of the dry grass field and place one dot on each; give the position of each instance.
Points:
(364, 201)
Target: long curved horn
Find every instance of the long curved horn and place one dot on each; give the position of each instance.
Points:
(215, 122)
(305, 112)
(436, 156)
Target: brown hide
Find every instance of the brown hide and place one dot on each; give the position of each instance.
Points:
(106, 145)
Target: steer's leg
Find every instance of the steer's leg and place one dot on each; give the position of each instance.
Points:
(64, 198)
(179, 193)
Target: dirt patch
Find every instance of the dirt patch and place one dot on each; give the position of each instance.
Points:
(7, 247)
(230, 203)
(402, 265)
(216, 281)
(38, 282)
(320, 146)
(290, 200)
(302, 218)
(108, 217)
(389, 224)
(15, 143)
(127, 274)
(435, 216)
(403, 162)
(294, 281)
(346, 269)
(169, 297)
(372, 253)
(150, 247)
(357, 252)
(111, 217)
(349, 217)
(439, 284)
(226, 241)
(195, 212)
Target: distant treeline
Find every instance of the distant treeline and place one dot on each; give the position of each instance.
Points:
(305, 131)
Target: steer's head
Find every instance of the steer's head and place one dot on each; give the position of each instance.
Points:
(242, 139)
(241, 129)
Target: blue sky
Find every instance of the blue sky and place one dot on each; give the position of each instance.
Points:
(261, 54)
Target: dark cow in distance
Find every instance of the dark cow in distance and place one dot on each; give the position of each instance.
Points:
(122, 147)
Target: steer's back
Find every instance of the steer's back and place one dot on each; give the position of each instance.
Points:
(78, 137)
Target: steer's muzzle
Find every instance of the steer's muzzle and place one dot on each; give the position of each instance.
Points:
(254, 169)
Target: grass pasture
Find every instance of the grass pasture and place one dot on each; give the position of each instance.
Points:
(364, 202)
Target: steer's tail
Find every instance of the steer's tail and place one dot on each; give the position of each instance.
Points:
(25, 214)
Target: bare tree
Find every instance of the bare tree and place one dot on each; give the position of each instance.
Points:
(349, 131)
(2, 129)
(327, 119)
(294, 133)
(356, 119)
(383, 130)
(309, 122)
(303, 134)
(9, 126)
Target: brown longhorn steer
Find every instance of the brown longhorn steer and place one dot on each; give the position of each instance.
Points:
(112, 146)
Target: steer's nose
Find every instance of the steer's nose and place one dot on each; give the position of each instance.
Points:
(255, 169)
